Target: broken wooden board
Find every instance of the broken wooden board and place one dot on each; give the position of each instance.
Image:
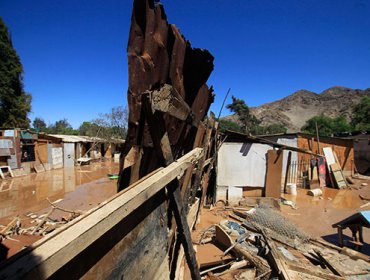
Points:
(338, 175)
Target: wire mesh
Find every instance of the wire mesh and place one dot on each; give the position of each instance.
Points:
(264, 217)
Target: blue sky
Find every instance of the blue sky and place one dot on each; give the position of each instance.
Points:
(74, 52)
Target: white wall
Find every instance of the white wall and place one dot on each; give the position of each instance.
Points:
(238, 169)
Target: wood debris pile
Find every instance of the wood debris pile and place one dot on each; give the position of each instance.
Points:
(254, 250)
(35, 224)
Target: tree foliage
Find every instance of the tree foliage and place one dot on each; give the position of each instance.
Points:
(249, 123)
(15, 103)
(247, 120)
(326, 126)
(62, 127)
(39, 125)
(89, 129)
(229, 125)
(361, 115)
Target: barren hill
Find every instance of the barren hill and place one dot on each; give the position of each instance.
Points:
(294, 110)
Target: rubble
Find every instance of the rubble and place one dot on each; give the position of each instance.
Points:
(261, 253)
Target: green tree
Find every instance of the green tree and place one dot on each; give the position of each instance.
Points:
(62, 127)
(274, 129)
(229, 125)
(39, 124)
(361, 114)
(340, 124)
(247, 120)
(15, 103)
(326, 126)
(89, 129)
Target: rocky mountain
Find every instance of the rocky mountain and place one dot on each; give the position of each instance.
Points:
(294, 110)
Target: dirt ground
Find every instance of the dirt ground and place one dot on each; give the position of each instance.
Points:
(79, 188)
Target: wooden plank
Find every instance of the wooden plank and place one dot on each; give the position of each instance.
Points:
(278, 262)
(52, 255)
(187, 178)
(191, 219)
(314, 272)
(338, 175)
(184, 232)
(327, 262)
(328, 152)
(273, 176)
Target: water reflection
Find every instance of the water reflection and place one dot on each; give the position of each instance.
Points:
(28, 193)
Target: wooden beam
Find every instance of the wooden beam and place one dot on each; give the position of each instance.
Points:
(50, 256)
(184, 232)
(277, 261)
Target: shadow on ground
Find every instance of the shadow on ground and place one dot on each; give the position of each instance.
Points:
(3, 252)
(333, 239)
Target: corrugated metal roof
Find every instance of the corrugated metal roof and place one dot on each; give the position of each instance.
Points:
(84, 139)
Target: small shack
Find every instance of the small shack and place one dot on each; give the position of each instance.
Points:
(76, 147)
(247, 165)
(23, 150)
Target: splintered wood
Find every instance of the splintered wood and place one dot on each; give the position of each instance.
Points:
(269, 257)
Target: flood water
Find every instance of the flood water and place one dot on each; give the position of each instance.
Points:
(78, 188)
(316, 215)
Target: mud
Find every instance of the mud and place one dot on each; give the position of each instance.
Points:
(79, 188)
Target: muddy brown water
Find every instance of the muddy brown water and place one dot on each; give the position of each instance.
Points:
(78, 188)
(315, 215)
